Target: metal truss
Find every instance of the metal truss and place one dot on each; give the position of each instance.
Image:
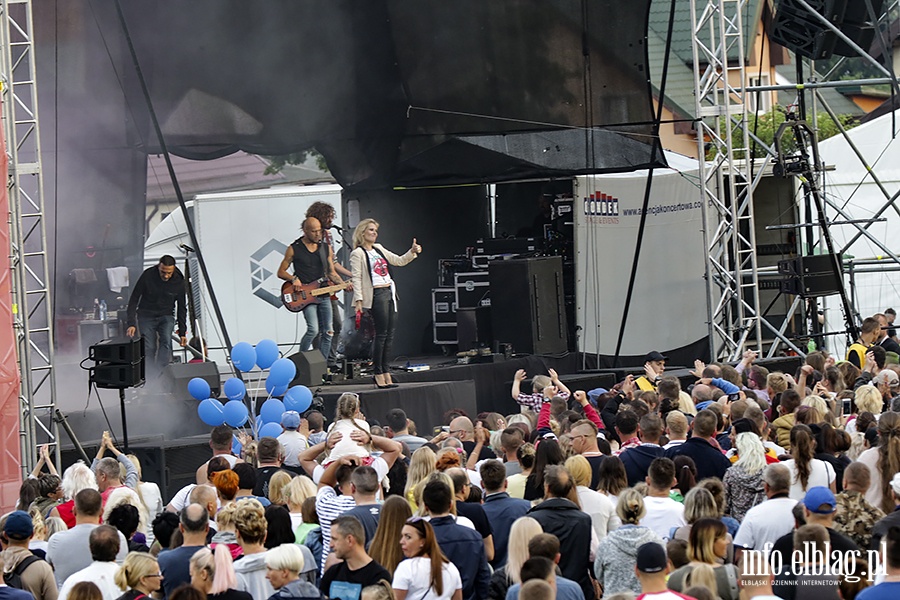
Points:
(727, 183)
(28, 240)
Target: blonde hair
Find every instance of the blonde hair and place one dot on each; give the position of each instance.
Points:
(751, 452)
(219, 565)
(137, 488)
(76, 478)
(421, 465)
(868, 399)
(361, 229)
(539, 383)
(630, 507)
(278, 487)
(287, 557)
(381, 590)
(686, 404)
(521, 532)
(580, 470)
(818, 403)
(702, 575)
(136, 566)
(250, 520)
(225, 518)
(37, 520)
(125, 495)
(299, 489)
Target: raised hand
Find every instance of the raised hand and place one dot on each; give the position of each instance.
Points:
(520, 375)
(416, 248)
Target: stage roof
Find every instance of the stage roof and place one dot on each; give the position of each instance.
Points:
(400, 93)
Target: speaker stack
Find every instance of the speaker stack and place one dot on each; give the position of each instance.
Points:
(799, 30)
(118, 363)
(810, 276)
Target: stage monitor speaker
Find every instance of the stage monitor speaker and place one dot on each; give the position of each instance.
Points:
(528, 306)
(311, 368)
(177, 375)
(121, 350)
(473, 328)
(116, 376)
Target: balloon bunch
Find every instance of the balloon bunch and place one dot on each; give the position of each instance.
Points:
(234, 412)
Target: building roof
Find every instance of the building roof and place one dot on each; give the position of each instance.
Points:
(658, 23)
(238, 171)
(680, 79)
(838, 102)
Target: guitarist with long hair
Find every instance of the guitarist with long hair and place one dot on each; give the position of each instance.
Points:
(313, 265)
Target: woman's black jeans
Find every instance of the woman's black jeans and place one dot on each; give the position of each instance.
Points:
(383, 315)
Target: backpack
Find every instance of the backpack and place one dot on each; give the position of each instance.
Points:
(14, 578)
(315, 543)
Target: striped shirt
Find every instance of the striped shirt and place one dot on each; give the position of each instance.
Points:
(329, 506)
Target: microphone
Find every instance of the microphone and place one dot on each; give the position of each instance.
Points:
(338, 228)
(186, 248)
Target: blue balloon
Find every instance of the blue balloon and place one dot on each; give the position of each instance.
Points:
(266, 353)
(282, 371)
(298, 398)
(236, 446)
(243, 356)
(236, 413)
(270, 430)
(198, 388)
(234, 389)
(275, 390)
(271, 410)
(211, 412)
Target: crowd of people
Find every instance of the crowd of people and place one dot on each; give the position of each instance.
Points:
(748, 483)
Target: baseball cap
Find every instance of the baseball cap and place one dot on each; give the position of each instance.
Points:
(654, 356)
(18, 525)
(651, 558)
(889, 377)
(290, 419)
(820, 500)
(596, 393)
(895, 483)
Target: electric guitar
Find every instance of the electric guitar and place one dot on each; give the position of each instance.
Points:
(310, 293)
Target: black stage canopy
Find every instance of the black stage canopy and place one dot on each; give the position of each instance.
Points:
(399, 92)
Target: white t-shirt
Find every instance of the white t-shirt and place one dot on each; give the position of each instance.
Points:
(765, 523)
(380, 275)
(347, 447)
(294, 443)
(601, 510)
(414, 576)
(821, 473)
(662, 515)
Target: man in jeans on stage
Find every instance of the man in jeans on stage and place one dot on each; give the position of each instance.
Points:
(157, 297)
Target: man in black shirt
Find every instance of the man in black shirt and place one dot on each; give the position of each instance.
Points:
(152, 308)
(270, 454)
(346, 580)
(312, 262)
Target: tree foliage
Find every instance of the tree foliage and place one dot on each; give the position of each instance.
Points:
(765, 126)
(277, 163)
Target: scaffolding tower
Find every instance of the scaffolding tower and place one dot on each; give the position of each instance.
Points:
(726, 180)
(31, 297)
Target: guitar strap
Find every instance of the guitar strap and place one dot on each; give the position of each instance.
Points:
(323, 255)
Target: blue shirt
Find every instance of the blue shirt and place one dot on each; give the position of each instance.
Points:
(502, 511)
(175, 567)
(888, 590)
(566, 589)
(9, 593)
